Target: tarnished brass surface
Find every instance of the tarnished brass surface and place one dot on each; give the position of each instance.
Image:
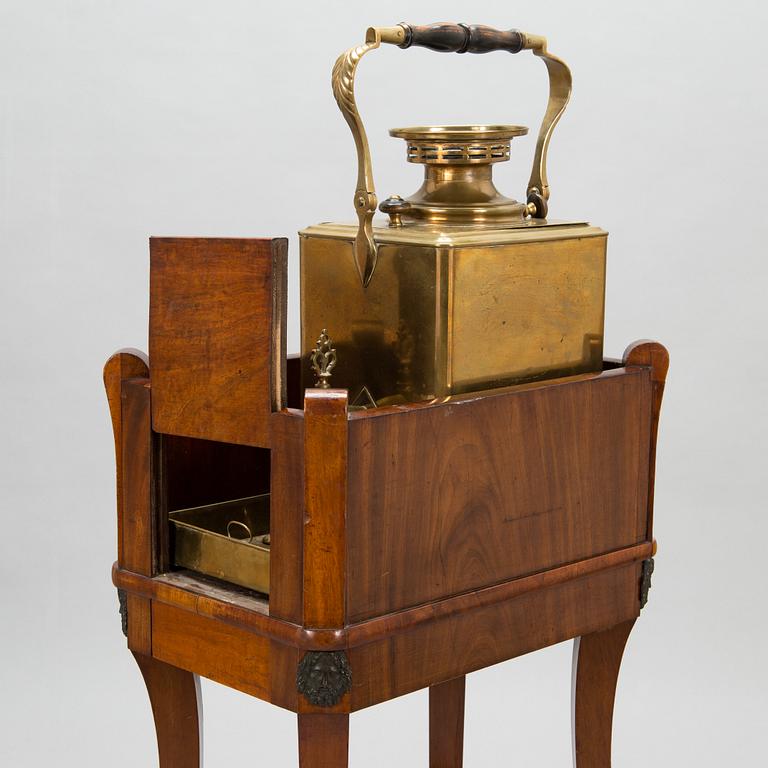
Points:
(365, 201)
(449, 311)
(214, 540)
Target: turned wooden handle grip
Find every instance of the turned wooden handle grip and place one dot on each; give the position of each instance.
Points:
(463, 38)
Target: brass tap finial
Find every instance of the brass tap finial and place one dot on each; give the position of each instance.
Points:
(323, 360)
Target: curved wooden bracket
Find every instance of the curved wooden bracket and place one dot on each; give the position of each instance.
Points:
(648, 354)
(651, 354)
(124, 364)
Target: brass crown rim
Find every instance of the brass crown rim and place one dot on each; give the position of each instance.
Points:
(458, 132)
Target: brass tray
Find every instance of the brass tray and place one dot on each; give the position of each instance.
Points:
(229, 541)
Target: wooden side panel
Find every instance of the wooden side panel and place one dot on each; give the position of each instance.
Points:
(198, 472)
(462, 643)
(449, 498)
(325, 502)
(211, 648)
(217, 337)
(286, 565)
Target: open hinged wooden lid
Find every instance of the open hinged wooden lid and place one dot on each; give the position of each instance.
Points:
(217, 336)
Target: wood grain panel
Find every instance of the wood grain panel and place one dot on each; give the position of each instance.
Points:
(446, 648)
(139, 624)
(456, 496)
(212, 649)
(246, 610)
(323, 741)
(217, 337)
(197, 472)
(325, 503)
(446, 723)
(283, 663)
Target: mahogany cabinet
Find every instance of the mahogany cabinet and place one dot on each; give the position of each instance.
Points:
(409, 545)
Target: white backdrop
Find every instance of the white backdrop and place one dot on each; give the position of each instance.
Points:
(120, 120)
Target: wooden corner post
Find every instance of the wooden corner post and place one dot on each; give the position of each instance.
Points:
(324, 677)
(325, 503)
(651, 354)
(126, 379)
(597, 656)
(174, 693)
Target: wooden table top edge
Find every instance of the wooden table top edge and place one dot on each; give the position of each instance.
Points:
(163, 589)
(613, 367)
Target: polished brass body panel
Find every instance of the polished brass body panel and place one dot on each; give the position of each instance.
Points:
(454, 310)
(209, 540)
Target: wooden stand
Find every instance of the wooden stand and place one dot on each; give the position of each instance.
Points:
(410, 545)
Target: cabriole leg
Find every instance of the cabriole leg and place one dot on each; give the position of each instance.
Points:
(596, 662)
(177, 710)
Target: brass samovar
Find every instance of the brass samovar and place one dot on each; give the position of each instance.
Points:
(462, 289)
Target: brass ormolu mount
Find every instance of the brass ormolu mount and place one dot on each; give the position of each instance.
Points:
(323, 360)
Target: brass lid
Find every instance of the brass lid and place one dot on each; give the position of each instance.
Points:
(458, 187)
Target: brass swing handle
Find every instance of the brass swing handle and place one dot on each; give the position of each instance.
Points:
(443, 37)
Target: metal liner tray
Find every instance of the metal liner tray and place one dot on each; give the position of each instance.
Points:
(228, 540)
